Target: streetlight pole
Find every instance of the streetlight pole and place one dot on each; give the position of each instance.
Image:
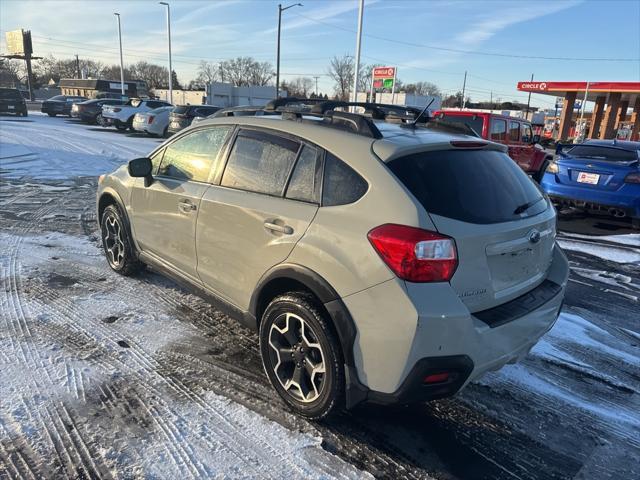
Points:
(354, 95)
(316, 85)
(121, 60)
(169, 39)
(280, 10)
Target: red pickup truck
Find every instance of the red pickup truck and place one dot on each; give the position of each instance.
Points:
(513, 132)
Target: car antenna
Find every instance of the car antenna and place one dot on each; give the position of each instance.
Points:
(422, 112)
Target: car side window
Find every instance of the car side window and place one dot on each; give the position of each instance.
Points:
(305, 179)
(526, 133)
(260, 162)
(514, 131)
(156, 158)
(341, 184)
(192, 156)
(498, 130)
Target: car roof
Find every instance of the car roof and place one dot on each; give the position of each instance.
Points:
(396, 140)
(621, 144)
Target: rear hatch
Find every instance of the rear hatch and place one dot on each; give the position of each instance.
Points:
(10, 100)
(595, 167)
(503, 227)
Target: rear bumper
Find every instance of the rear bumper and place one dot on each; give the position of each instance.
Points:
(405, 332)
(625, 199)
(13, 108)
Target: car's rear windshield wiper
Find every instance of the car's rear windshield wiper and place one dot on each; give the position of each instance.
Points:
(526, 206)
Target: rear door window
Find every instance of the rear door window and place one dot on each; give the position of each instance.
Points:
(475, 186)
(192, 156)
(341, 184)
(498, 130)
(260, 162)
(526, 133)
(514, 131)
(9, 94)
(305, 180)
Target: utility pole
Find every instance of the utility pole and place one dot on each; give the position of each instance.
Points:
(121, 60)
(169, 41)
(354, 95)
(491, 100)
(280, 10)
(464, 87)
(77, 67)
(528, 101)
(316, 84)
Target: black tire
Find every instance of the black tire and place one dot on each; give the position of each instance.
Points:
(116, 241)
(121, 127)
(635, 223)
(25, 113)
(51, 114)
(99, 120)
(328, 385)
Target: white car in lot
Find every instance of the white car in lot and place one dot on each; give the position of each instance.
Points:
(121, 116)
(154, 122)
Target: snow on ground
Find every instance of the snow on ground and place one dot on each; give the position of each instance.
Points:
(64, 375)
(28, 150)
(606, 252)
(102, 376)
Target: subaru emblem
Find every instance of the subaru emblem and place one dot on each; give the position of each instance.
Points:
(534, 236)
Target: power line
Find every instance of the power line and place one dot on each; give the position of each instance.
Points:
(470, 52)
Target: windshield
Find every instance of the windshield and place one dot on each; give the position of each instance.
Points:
(473, 121)
(7, 93)
(609, 154)
(59, 98)
(181, 109)
(476, 186)
(161, 109)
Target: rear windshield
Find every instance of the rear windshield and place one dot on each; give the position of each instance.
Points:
(476, 186)
(61, 98)
(594, 152)
(10, 94)
(181, 109)
(473, 121)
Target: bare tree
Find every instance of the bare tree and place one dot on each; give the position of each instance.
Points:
(245, 71)
(300, 87)
(154, 75)
(341, 70)
(208, 72)
(422, 88)
(12, 72)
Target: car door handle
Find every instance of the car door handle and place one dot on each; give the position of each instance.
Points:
(274, 227)
(186, 206)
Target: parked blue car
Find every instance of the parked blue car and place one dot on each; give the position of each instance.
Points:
(598, 176)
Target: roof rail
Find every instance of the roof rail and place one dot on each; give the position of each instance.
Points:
(352, 122)
(282, 102)
(379, 111)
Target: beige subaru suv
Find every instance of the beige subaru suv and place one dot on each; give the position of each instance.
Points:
(381, 259)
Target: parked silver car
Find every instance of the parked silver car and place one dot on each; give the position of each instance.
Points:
(154, 122)
(380, 261)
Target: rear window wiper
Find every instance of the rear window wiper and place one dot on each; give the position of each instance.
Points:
(526, 206)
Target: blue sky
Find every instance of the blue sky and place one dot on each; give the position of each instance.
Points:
(314, 33)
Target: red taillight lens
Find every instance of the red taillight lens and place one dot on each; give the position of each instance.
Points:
(632, 178)
(414, 254)
(151, 117)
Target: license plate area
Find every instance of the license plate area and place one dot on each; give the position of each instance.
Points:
(589, 178)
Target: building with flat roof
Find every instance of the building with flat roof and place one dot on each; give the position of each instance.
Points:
(97, 88)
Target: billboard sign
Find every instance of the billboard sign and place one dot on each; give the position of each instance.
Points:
(19, 42)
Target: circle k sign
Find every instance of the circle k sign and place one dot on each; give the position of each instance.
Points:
(384, 72)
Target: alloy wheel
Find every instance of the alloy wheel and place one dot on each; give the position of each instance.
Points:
(296, 357)
(112, 236)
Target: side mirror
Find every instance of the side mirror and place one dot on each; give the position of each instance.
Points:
(140, 167)
(536, 139)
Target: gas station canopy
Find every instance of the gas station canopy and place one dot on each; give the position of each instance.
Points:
(628, 90)
(612, 101)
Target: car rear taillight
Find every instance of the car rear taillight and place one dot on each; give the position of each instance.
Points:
(414, 254)
(117, 109)
(632, 178)
(467, 144)
(552, 168)
(151, 117)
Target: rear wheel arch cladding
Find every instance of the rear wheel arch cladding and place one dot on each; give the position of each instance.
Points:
(333, 306)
